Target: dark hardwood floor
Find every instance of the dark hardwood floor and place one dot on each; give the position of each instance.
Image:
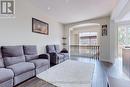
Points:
(101, 72)
(99, 77)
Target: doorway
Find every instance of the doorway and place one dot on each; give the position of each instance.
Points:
(84, 41)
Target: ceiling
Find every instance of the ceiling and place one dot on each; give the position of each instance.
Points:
(68, 11)
(123, 13)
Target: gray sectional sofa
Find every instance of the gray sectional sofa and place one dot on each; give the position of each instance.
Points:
(56, 56)
(19, 63)
(6, 75)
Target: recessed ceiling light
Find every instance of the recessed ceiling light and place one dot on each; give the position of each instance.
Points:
(49, 8)
(67, 1)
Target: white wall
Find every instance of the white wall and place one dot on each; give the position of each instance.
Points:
(113, 41)
(119, 9)
(105, 40)
(18, 30)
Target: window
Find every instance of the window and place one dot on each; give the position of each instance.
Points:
(88, 38)
(123, 38)
(124, 35)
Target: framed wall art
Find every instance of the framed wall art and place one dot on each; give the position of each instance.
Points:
(104, 30)
(40, 26)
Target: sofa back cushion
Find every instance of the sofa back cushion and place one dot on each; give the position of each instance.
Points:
(50, 49)
(30, 52)
(57, 48)
(1, 60)
(14, 60)
(13, 54)
(31, 57)
(30, 49)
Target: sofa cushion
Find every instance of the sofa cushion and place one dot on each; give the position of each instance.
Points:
(0, 53)
(1, 60)
(60, 56)
(66, 55)
(12, 51)
(1, 63)
(13, 54)
(57, 48)
(31, 57)
(30, 49)
(13, 60)
(61, 60)
(50, 49)
(40, 62)
(5, 74)
(22, 67)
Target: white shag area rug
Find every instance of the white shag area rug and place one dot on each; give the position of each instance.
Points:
(69, 74)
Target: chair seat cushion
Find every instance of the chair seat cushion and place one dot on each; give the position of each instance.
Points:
(60, 56)
(61, 60)
(6, 74)
(40, 62)
(22, 67)
(66, 55)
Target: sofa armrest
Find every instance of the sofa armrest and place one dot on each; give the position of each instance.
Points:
(53, 55)
(54, 58)
(44, 56)
(64, 51)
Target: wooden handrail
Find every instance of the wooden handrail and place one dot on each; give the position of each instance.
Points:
(83, 45)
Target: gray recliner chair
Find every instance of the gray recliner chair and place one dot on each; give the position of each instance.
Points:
(6, 75)
(15, 60)
(56, 56)
(41, 62)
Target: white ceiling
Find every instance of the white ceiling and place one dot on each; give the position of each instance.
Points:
(122, 12)
(68, 11)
